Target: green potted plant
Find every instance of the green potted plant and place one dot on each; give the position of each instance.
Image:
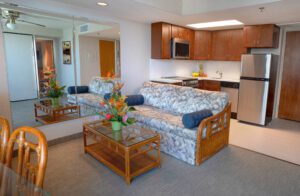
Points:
(53, 90)
(117, 108)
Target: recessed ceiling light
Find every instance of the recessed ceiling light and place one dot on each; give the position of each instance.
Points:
(102, 4)
(215, 24)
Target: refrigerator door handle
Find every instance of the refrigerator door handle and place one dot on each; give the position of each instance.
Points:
(255, 79)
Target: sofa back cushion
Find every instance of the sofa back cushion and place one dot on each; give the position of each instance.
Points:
(182, 100)
(99, 86)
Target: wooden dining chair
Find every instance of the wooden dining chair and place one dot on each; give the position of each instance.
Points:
(4, 136)
(31, 169)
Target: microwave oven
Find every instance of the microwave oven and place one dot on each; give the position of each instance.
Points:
(180, 49)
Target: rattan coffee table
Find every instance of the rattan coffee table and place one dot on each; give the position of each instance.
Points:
(51, 114)
(129, 153)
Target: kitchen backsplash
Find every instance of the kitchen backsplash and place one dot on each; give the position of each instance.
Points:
(159, 68)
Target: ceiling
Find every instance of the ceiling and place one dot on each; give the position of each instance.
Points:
(109, 34)
(48, 21)
(51, 22)
(183, 12)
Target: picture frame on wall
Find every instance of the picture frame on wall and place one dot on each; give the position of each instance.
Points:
(66, 52)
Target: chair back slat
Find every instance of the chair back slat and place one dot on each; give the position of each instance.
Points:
(4, 136)
(25, 166)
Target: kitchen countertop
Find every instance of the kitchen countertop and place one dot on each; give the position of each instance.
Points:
(164, 80)
(220, 79)
(172, 81)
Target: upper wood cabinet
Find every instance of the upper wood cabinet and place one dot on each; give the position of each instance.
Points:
(185, 34)
(161, 36)
(227, 45)
(202, 45)
(236, 47)
(261, 36)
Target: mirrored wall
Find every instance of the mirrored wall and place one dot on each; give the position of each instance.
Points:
(48, 56)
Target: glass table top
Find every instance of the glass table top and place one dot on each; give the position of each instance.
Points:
(128, 136)
(12, 183)
(48, 104)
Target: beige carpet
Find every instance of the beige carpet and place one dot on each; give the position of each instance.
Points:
(233, 171)
(280, 139)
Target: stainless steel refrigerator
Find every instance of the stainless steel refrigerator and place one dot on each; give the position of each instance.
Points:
(257, 88)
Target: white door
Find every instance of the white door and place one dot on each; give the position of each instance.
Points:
(20, 60)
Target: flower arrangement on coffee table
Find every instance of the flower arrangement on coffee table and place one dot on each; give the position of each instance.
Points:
(53, 89)
(116, 107)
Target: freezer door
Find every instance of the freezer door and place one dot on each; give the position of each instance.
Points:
(256, 66)
(253, 96)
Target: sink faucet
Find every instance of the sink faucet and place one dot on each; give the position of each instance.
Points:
(220, 73)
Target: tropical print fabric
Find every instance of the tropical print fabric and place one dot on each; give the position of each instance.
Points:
(90, 102)
(182, 100)
(163, 109)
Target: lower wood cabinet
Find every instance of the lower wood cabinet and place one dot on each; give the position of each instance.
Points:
(210, 85)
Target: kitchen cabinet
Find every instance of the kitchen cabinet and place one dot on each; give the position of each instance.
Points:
(185, 34)
(210, 85)
(227, 45)
(202, 45)
(261, 36)
(161, 35)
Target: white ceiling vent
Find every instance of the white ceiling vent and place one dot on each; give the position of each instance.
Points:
(84, 28)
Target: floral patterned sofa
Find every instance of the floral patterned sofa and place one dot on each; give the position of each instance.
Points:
(163, 109)
(90, 102)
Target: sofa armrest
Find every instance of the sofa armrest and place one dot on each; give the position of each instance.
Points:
(217, 134)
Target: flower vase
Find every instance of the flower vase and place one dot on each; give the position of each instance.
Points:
(116, 125)
(117, 135)
(55, 102)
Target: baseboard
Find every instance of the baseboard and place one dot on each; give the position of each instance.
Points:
(64, 139)
(57, 141)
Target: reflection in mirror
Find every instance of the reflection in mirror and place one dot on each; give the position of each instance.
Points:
(98, 48)
(39, 59)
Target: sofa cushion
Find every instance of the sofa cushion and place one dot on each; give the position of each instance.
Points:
(86, 98)
(100, 86)
(192, 120)
(164, 121)
(182, 100)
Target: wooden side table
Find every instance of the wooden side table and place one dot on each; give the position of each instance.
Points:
(127, 153)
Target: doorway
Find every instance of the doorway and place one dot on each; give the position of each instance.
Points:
(45, 62)
(107, 57)
(290, 88)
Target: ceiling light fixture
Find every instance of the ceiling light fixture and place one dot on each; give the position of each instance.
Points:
(215, 24)
(11, 23)
(102, 4)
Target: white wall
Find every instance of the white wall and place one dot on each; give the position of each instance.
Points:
(159, 68)
(135, 55)
(230, 69)
(89, 58)
(65, 72)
